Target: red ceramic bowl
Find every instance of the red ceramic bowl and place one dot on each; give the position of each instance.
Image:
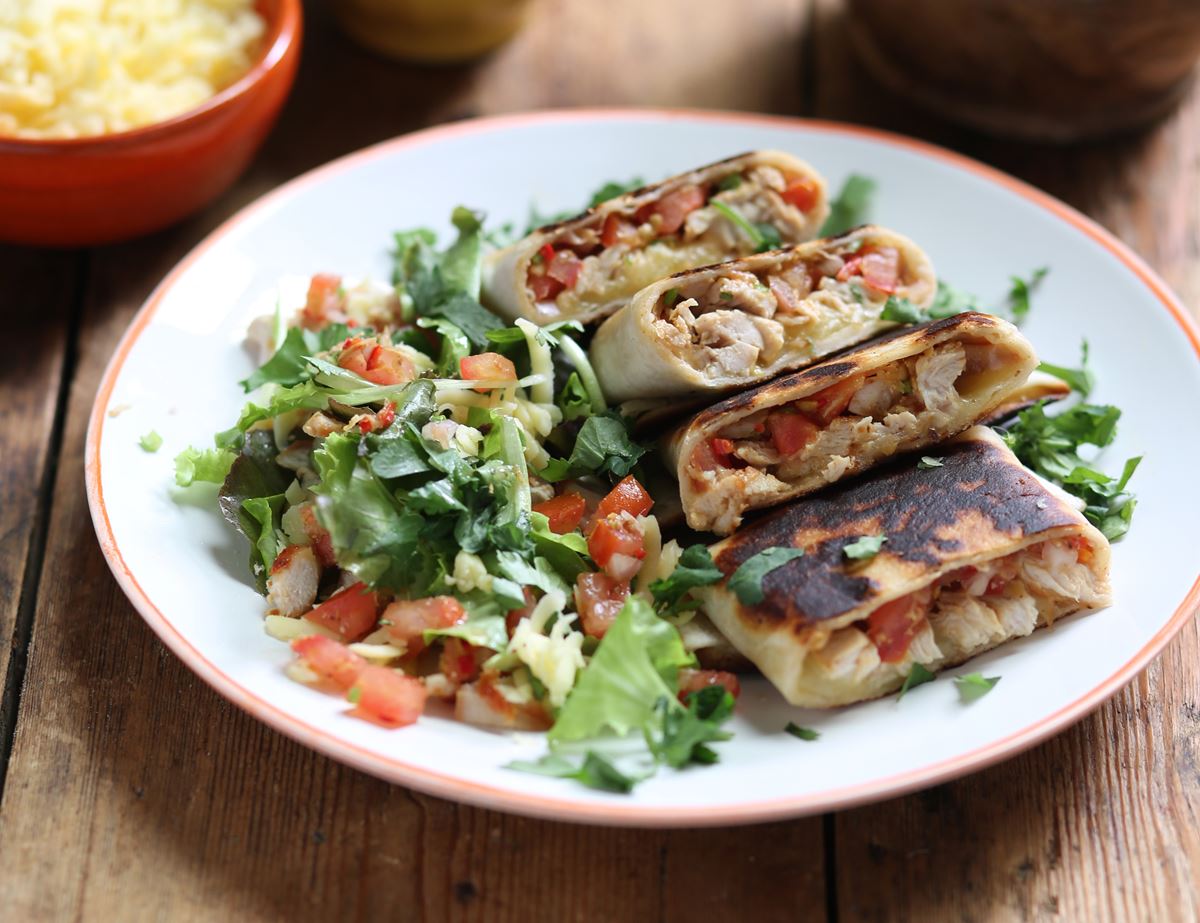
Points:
(84, 191)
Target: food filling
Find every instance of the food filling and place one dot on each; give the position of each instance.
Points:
(692, 225)
(965, 612)
(823, 436)
(741, 322)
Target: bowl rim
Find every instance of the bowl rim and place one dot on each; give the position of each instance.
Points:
(282, 35)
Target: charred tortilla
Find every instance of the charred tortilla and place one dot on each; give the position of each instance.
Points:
(978, 551)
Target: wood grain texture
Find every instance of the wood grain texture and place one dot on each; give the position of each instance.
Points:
(1101, 822)
(135, 793)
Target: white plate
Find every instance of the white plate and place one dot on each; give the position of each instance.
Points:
(177, 367)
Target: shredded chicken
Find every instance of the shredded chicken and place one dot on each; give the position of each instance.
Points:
(742, 290)
(936, 372)
(732, 338)
(293, 581)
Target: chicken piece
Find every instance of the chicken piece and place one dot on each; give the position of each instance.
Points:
(292, 583)
(772, 338)
(873, 399)
(1057, 573)
(732, 338)
(741, 290)
(1018, 614)
(937, 370)
(849, 652)
(964, 624)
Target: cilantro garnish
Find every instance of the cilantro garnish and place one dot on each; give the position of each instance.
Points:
(695, 569)
(803, 733)
(686, 733)
(864, 548)
(1081, 379)
(974, 686)
(1022, 290)
(747, 580)
(917, 676)
(595, 771)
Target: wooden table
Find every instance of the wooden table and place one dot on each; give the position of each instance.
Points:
(133, 792)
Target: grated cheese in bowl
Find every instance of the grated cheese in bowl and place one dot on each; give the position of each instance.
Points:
(77, 68)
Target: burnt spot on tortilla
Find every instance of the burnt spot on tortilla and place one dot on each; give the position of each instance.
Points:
(980, 500)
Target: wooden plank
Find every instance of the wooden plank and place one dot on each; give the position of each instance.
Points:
(135, 793)
(1101, 822)
(41, 289)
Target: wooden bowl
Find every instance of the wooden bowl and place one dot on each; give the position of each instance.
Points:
(1057, 70)
(84, 191)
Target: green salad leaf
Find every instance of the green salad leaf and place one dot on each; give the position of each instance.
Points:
(851, 206)
(1081, 379)
(595, 771)
(205, 465)
(603, 446)
(289, 365)
(151, 442)
(687, 732)
(695, 569)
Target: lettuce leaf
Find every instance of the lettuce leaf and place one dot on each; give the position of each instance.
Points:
(636, 665)
(289, 366)
(207, 465)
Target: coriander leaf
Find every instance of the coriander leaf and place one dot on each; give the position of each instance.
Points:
(573, 399)
(803, 733)
(850, 207)
(949, 301)
(455, 345)
(732, 181)
(539, 573)
(1018, 301)
(207, 465)
(769, 235)
(636, 664)
(468, 315)
(974, 686)
(686, 733)
(902, 311)
(462, 263)
(917, 676)
(434, 497)
(612, 189)
(1081, 379)
(747, 581)
(864, 548)
(567, 554)
(738, 220)
(596, 771)
(289, 365)
(485, 626)
(151, 442)
(602, 446)
(930, 461)
(695, 569)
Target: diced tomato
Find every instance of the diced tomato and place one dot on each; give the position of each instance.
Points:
(628, 496)
(996, 585)
(487, 367)
(851, 268)
(459, 661)
(565, 512)
(387, 416)
(893, 625)
(694, 680)
(388, 697)
(411, 618)
(791, 431)
(672, 209)
(598, 599)
(546, 252)
(350, 613)
(565, 268)
(616, 535)
(321, 541)
(722, 450)
(354, 353)
(378, 364)
(514, 616)
(615, 230)
(544, 288)
(802, 193)
(962, 576)
(1084, 552)
(324, 301)
(330, 660)
(881, 269)
(833, 401)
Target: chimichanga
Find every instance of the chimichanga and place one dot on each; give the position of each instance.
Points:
(979, 551)
(907, 390)
(720, 328)
(586, 267)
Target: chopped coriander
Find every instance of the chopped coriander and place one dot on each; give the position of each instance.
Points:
(1022, 290)
(1081, 379)
(695, 569)
(902, 311)
(746, 582)
(686, 733)
(930, 461)
(612, 189)
(917, 676)
(803, 733)
(726, 296)
(770, 238)
(354, 695)
(151, 442)
(595, 771)
(671, 296)
(950, 301)
(974, 686)
(865, 548)
(732, 181)
(739, 221)
(851, 205)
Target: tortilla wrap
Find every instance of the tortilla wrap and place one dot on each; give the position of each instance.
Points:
(907, 390)
(724, 327)
(624, 245)
(978, 551)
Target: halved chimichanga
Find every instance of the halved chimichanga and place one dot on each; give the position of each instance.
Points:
(974, 552)
(729, 326)
(586, 267)
(907, 390)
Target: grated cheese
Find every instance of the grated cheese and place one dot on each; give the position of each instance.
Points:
(73, 68)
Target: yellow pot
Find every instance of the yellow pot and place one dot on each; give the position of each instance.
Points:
(433, 31)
